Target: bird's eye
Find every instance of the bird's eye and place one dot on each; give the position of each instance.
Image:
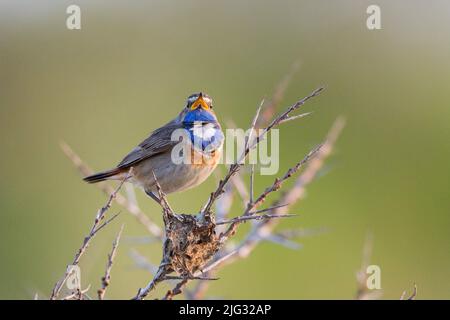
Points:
(211, 106)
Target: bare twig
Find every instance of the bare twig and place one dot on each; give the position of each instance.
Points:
(412, 296)
(234, 168)
(189, 278)
(270, 208)
(177, 290)
(163, 269)
(287, 119)
(107, 277)
(263, 229)
(94, 229)
(159, 276)
(249, 138)
(274, 187)
(167, 210)
(255, 217)
(184, 233)
(252, 178)
(108, 221)
(130, 206)
(362, 292)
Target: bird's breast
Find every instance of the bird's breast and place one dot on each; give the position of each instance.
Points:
(205, 137)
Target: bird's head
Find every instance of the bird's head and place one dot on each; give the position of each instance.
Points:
(199, 108)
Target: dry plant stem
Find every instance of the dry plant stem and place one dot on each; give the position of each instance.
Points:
(264, 228)
(362, 292)
(256, 217)
(189, 278)
(412, 296)
(234, 168)
(94, 229)
(159, 276)
(167, 210)
(259, 233)
(252, 179)
(293, 195)
(107, 277)
(131, 207)
(163, 268)
(177, 290)
(274, 187)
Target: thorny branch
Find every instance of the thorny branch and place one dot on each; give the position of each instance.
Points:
(263, 220)
(164, 267)
(234, 168)
(253, 238)
(128, 203)
(107, 277)
(97, 226)
(263, 230)
(274, 187)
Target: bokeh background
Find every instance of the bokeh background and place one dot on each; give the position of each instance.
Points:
(103, 88)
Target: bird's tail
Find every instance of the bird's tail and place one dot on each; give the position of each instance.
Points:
(115, 173)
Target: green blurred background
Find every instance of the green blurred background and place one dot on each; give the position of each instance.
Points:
(131, 66)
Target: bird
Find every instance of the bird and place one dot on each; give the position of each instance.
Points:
(181, 154)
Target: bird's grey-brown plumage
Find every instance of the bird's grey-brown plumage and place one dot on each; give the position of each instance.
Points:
(153, 155)
(159, 141)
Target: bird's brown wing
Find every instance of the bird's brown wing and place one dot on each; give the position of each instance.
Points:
(159, 141)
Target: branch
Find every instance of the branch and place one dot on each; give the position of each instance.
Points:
(177, 290)
(94, 229)
(412, 296)
(274, 187)
(163, 202)
(159, 276)
(164, 268)
(263, 229)
(362, 292)
(255, 217)
(234, 168)
(130, 206)
(107, 277)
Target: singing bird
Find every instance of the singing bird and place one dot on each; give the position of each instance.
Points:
(159, 155)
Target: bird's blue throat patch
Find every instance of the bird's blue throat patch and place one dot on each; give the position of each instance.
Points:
(205, 136)
(204, 131)
(199, 115)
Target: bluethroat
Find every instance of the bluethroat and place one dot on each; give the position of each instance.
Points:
(201, 151)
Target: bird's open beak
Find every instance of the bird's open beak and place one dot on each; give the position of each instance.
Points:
(200, 103)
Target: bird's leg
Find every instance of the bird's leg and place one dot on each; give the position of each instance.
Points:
(156, 198)
(153, 196)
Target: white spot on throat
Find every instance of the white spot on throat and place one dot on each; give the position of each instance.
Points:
(204, 132)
